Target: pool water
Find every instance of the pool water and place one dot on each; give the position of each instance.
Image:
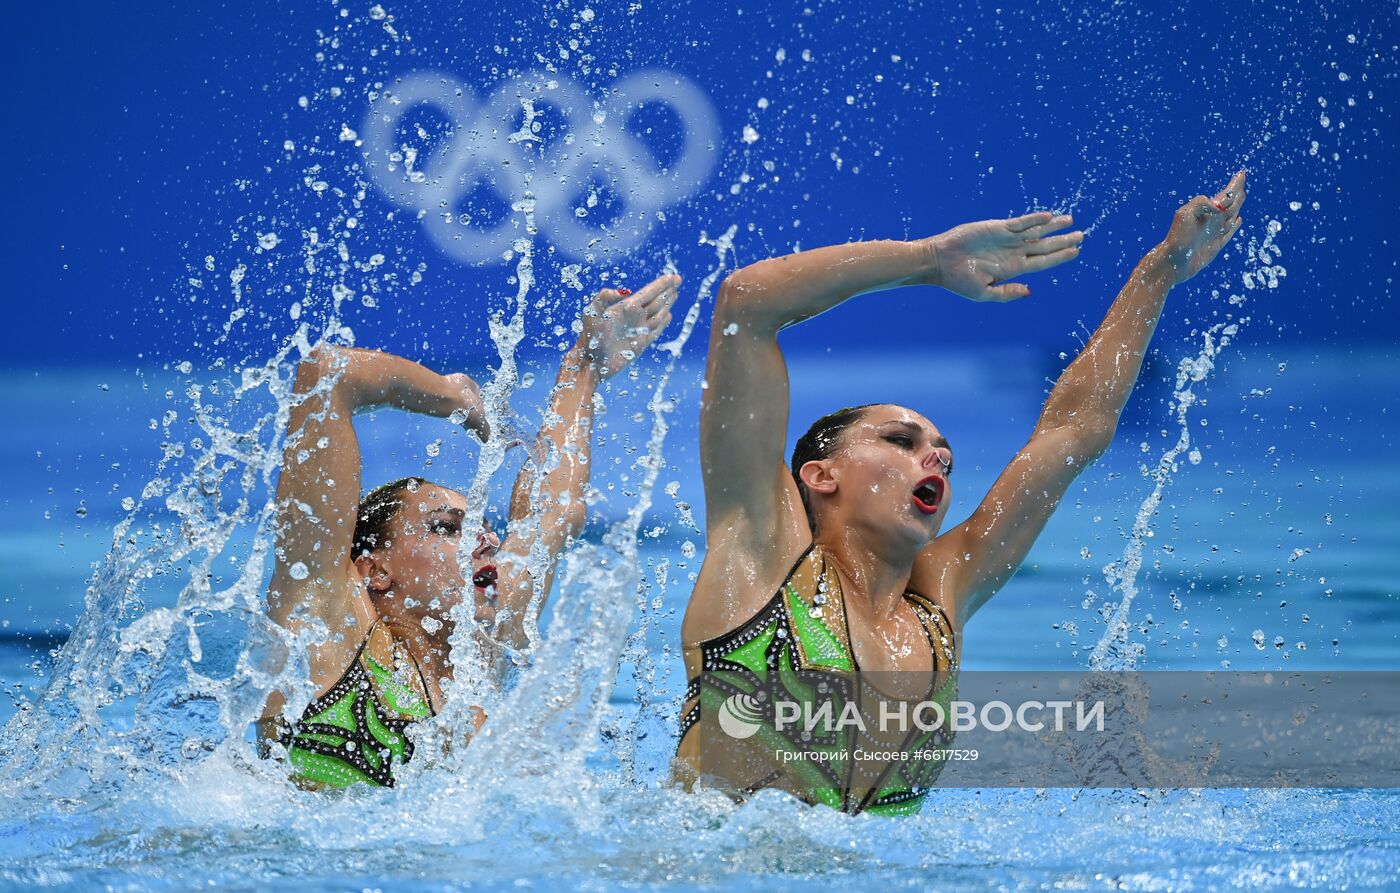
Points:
(596, 810)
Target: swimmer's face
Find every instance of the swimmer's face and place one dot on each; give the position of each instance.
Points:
(890, 471)
(421, 558)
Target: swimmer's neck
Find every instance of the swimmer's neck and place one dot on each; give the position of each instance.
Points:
(431, 652)
(874, 569)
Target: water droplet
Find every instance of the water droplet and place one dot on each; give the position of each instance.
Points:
(267, 241)
(298, 571)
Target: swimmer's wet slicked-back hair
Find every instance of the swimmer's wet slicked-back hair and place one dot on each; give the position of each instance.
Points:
(377, 511)
(819, 443)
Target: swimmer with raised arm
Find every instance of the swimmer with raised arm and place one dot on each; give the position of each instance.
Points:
(838, 563)
(381, 574)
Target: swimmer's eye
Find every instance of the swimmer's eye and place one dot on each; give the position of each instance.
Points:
(902, 440)
(446, 528)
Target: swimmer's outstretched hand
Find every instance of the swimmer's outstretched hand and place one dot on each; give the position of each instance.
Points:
(619, 324)
(471, 414)
(975, 260)
(1201, 228)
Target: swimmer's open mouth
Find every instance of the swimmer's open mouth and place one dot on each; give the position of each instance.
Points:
(928, 494)
(484, 577)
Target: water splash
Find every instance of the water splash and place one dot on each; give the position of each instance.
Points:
(1115, 650)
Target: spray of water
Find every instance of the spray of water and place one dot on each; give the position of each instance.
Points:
(1115, 650)
(1128, 759)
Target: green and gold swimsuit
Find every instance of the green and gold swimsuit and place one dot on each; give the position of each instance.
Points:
(355, 731)
(797, 651)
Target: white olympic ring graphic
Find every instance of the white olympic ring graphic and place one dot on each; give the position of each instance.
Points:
(481, 150)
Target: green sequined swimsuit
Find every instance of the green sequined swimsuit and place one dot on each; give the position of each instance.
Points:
(798, 649)
(355, 731)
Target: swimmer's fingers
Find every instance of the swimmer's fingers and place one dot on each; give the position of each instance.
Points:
(649, 330)
(1039, 262)
(658, 316)
(1232, 196)
(657, 324)
(1007, 291)
(1027, 221)
(1054, 243)
(1041, 230)
(603, 301)
(655, 290)
(1202, 209)
(661, 291)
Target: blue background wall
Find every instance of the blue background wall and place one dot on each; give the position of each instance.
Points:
(132, 129)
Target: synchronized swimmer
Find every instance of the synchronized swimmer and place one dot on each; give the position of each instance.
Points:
(836, 562)
(379, 576)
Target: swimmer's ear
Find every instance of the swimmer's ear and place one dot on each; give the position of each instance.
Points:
(375, 575)
(818, 476)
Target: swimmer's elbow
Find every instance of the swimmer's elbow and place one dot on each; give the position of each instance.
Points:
(1093, 439)
(741, 302)
(1079, 443)
(733, 300)
(323, 361)
(572, 520)
(336, 372)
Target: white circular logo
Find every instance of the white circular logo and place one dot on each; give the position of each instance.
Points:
(740, 716)
(556, 186)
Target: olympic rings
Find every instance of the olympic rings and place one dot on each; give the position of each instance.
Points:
(478, 150)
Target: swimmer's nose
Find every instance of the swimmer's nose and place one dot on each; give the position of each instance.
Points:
(486, 543)
(938, 457)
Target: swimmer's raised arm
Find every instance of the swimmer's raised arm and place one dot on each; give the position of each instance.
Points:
(744, 415)
(319, 489)
(1080, 416)
(547, 505)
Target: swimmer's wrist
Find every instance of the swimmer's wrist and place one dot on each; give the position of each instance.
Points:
(1157, 267)
(580, 366)
(927, 261)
